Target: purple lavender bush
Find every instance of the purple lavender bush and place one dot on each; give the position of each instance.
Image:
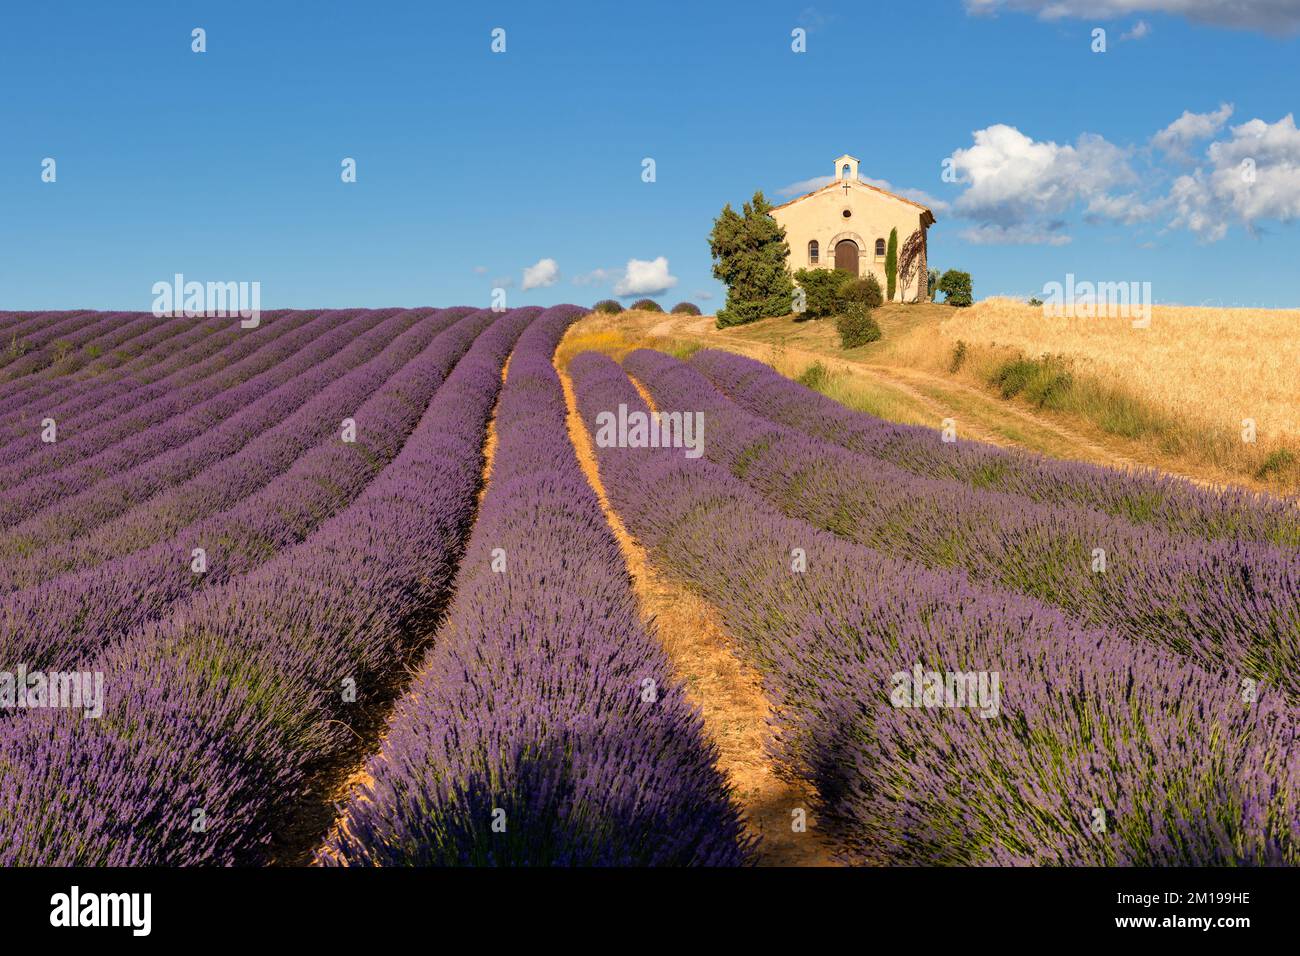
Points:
(214, 469)
(313, 477)
(545, 728)
(1228, 603)
(1098, 751)
(126, 418)
(221, 717)
(1143, 497)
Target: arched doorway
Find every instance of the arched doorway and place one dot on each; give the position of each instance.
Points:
(846, 256)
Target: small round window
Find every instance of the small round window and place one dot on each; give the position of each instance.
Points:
(847, 213)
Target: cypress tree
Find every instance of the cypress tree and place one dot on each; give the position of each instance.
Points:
(891, 265)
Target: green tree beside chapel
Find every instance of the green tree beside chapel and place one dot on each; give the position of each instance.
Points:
(749, 256)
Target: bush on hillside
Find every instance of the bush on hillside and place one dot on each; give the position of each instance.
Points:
(608, 306)
(1044, 381)
(821, 289)
(686, 308)
(646, 305)
(865, 291)
(856, 326)
(814, 376)
(956, 287)
(958, 357)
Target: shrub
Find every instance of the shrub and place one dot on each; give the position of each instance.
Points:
(865, 290)
(956, 287)
(958, 357)
(608, 306)
(686, 308)
(931, 283)
(1045, 381)
(1011, 377)
(677, 348)
(821, 288)
(646, 305)
(856, 326)
(1275, 464)
(814, 376)
(1035, 300)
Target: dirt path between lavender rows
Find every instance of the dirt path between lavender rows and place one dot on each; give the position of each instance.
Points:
(355, 782)
(727, 692)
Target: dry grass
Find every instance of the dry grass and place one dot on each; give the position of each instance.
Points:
(1215, 366)
(1183, 386)
(616, 335)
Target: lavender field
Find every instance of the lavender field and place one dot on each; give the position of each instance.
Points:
(368, 587)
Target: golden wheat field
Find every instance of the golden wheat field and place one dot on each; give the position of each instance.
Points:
(1217, 366)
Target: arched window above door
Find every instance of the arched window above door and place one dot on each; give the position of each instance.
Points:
(813, 251)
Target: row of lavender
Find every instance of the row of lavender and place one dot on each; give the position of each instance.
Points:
(187, 349)
(244, 509)
(1094, 750)
(1229, 604)
(110, 357)
(242, 435)
(1168, 503)
(72, 500)
(35, 341)
(545, 728)
(117, 434)
(220, 717)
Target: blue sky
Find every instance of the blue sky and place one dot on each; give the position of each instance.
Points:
(474, 166)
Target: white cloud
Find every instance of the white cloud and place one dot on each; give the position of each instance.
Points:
(595, 277)
(990, 234)
(1129, 208)
(1140, 31)
(480, 270)
(1018, 188)
(1268, 16)
(1190, 128)
(545, 272)
(1252, 177)
(805, 186)
(1194, 208)
(645, 277)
